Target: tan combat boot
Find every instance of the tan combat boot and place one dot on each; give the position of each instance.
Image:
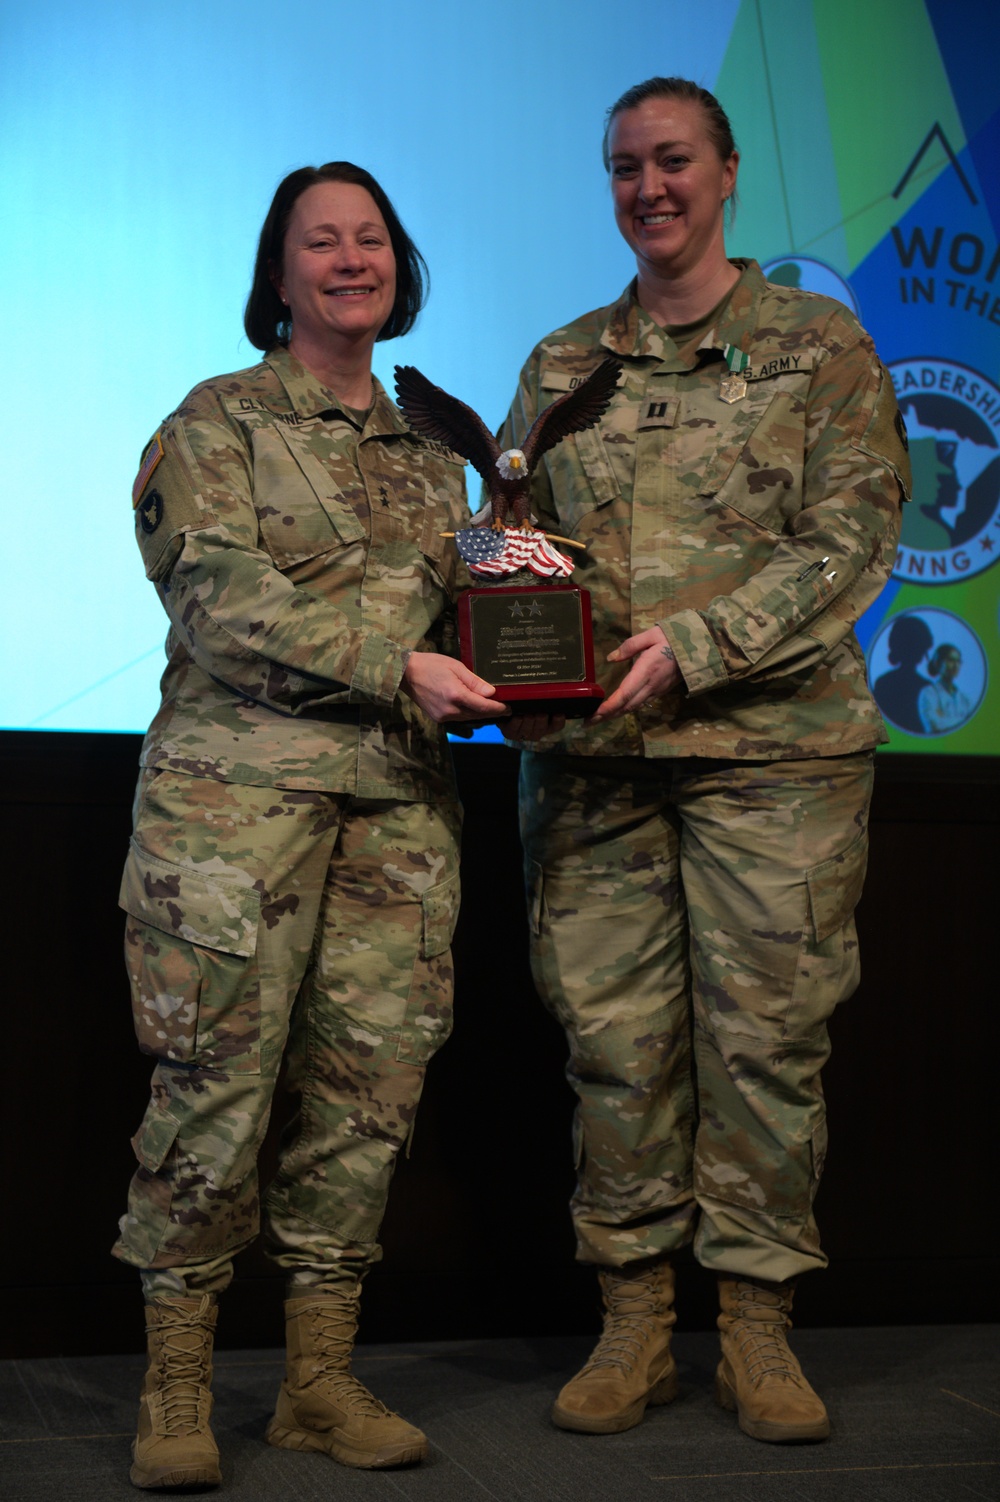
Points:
(320, 1405)
(175, 1446)
(631, 1364)
(758, 1378)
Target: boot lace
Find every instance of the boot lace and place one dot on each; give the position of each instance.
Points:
(183, 1351)
(632, 1304)
(760, 1327)
(332, 1330)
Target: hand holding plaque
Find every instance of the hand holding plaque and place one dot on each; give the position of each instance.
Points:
(524, 632)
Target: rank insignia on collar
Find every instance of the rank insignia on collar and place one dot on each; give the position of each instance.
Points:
(150, 459)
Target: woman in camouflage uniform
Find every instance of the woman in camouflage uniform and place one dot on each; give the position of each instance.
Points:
(740, 503)
(292, 884)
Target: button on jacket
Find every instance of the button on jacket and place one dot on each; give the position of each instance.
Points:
(300, 561)
(753, 532)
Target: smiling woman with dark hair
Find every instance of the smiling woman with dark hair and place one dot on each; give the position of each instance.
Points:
(292, 885)
(267, 319)
(942, 704)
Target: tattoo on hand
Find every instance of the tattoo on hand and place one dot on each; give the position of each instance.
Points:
(668, 652)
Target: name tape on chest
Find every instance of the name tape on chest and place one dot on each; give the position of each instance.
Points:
(431, 445)
(243, 407)
(553, 378)
(764, 364)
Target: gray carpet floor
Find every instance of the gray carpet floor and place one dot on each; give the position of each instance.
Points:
(915, 1413)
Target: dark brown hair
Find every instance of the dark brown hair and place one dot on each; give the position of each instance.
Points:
(716, 119)
(266, 319)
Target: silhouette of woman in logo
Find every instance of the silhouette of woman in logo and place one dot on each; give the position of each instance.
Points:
(898, 691)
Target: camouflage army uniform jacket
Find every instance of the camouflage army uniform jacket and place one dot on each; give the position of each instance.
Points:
(754, 532)
(300, 562)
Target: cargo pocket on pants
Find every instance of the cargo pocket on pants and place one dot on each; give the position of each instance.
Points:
(428, 1018)
(829, 966)
(154, 1139)
(151, 1192)
(190, 951)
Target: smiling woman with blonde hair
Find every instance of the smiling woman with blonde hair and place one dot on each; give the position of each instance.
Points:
(694, 854)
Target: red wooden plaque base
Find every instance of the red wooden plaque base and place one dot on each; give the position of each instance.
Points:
(535, 644)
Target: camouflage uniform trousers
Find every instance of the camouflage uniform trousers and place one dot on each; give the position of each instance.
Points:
(693, 930)
(268, 926)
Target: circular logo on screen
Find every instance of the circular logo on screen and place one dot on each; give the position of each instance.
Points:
(811, 276)
(928, 671)
(951, 527)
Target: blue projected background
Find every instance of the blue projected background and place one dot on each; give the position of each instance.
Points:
(140, 148)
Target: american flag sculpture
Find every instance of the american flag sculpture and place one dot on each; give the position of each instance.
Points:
(501, 548)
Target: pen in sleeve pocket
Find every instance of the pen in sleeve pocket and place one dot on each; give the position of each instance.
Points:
(811, 568)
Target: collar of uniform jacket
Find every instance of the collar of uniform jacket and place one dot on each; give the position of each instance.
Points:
(308, 397)
(631, 332)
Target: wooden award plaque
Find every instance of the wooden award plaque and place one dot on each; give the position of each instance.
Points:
(535, 644)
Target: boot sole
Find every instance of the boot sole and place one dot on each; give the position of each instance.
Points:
(765, 1429)
(365, 1460)
(664, 1392)
(175, 1478)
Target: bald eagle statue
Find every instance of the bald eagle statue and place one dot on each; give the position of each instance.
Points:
(435, 414)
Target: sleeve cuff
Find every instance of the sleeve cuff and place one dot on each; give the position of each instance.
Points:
(379, 671)
(698, 658)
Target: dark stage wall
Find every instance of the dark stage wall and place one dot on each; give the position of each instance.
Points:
(477, 1239)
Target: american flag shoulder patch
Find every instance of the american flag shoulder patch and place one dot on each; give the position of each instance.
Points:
(150, 459)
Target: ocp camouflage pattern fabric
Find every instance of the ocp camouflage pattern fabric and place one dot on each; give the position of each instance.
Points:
(266, 925)
(299, 562)
(693, 867)
(291, 888)
(711, 519)
(692, 929)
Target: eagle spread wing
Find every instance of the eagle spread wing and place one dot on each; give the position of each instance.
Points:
(435, 414)
(572, 413)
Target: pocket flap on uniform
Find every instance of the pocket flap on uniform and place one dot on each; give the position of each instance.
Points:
(440, 916)
(198, 908)
(154, 1138)
(596, 465)
(320, 478)
(835, 888)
